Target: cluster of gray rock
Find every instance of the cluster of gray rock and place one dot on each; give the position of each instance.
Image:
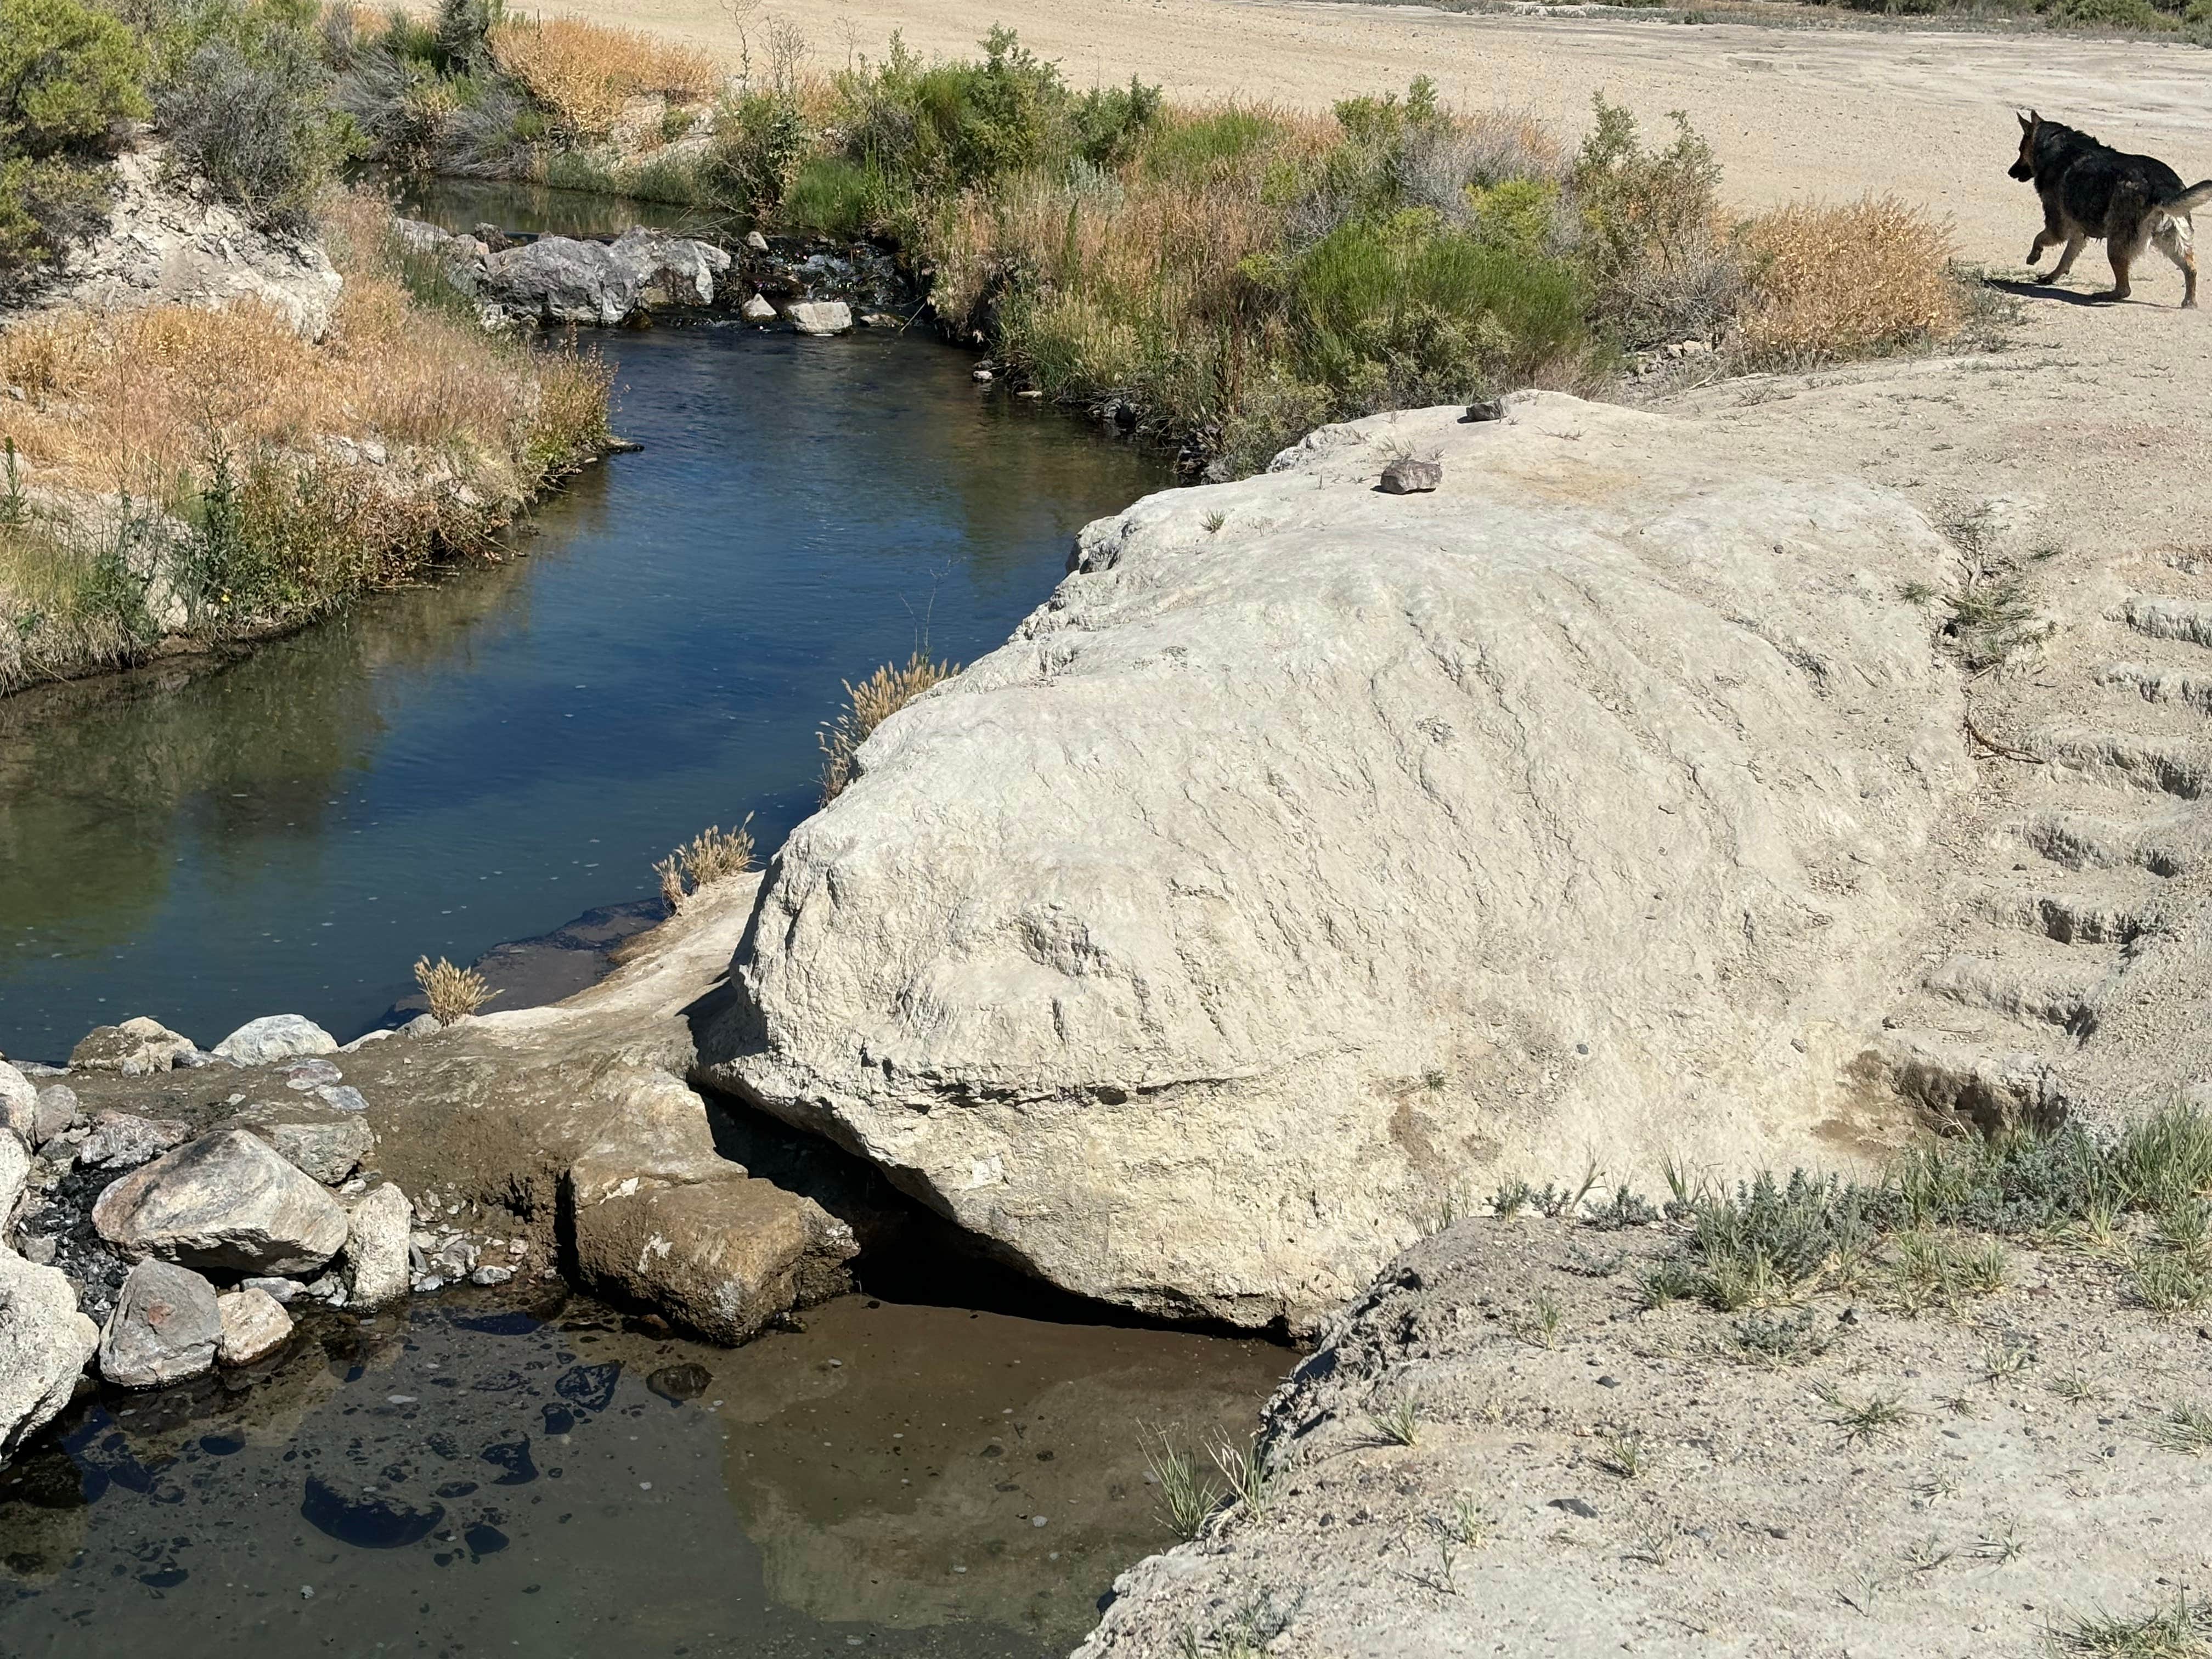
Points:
(161, 1252)
(558, 280)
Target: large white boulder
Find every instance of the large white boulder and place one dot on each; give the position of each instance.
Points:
(44, 1343)
(274, 1037)
(1317, 856)
(227, 1201)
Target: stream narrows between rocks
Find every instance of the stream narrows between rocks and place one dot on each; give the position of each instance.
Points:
(478, 760)
(483, 758)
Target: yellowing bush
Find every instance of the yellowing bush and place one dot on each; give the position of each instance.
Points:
(585, 71)
(1838, 280)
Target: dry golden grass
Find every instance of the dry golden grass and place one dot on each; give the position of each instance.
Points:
(585, 71)
(713, 855)
(868, 705)
(1840, 280)
(454, 993)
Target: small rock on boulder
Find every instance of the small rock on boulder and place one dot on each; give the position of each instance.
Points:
(324, 1141)
(273, 1037)
(376, 1247)
(254, 1324)
(1409, 476)
(820, 316)
(164, 1328)
(136, 1048)
(123, 1140)
(227, 1201)
(44, 1343)
(721, 1257)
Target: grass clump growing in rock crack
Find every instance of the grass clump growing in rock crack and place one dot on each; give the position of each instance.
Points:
(1249, 1468)
(867, 706)
(1187, 1496)
(712, 855)
(454, 993)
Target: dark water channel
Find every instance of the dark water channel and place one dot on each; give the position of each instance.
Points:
(483, 758)
(917, 1481)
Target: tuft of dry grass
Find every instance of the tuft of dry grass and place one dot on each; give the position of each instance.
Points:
(454, 992)
(713, 855)
(1845, 280)
(584, 72)
(868, 705)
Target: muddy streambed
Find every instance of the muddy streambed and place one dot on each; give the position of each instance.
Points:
(465, 1477)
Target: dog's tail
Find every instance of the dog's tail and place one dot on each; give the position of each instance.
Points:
(2186, 202)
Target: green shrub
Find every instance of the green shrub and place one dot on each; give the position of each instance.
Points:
(1659, 260)
(68, 76)
(957, 124)
(45, 203)
(832, 196)
(254, 118)
(759, 140)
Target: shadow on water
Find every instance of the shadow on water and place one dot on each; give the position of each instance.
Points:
(482, 758)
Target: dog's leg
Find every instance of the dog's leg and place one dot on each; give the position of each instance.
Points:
(2120, 263)
(2176, 239)
(2043, 238)
(2074, 246)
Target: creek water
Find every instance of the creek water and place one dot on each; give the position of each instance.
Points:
(476, 760)
(482, 758)
(466, 1479)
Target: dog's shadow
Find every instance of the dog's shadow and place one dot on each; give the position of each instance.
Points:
(2034, 290)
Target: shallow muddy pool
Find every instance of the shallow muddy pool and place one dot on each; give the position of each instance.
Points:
(462, 1478)
(483, 758)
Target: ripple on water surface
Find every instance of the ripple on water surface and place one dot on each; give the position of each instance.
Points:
(908, 1481)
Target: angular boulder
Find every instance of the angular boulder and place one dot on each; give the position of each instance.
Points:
(820, 316)
(376, 1247)
(254, 1324)
(721, 1257)
(136, 1048)
(164, 1328)
(1316, 857)
(326, 1142)
(227, 1201)
(123, 1140)
(274, 1037)
(45, 1343)
(60, 1111)
(671, 270)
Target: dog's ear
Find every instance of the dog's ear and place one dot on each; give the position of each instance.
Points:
(2028, 121)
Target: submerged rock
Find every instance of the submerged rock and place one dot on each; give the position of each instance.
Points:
(136, 1048)
(45, 1343)
(227, 1201)
(164, 1329)
(274, 1037)
(376, 1247)
(1573, 812)
(254, 1325)
(719, 1257)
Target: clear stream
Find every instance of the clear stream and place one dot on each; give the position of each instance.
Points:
(483, 758)
(479, 760)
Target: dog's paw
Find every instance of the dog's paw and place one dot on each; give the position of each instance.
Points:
(2034, 251)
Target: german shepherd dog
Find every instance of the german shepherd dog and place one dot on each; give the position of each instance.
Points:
(2096, 191)
(2089, 189)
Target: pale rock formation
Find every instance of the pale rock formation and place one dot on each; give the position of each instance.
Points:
(44, 1343)
(19, 1102)
(254, 1325)
(60, 1111)
(123, 1140)
(376, 1247)
(820, 316)
(1315, 856)
(174, 241)
(14, 1173)
(225, 1200)
(164, 1329)
(138, 1048)
(274, 1037)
